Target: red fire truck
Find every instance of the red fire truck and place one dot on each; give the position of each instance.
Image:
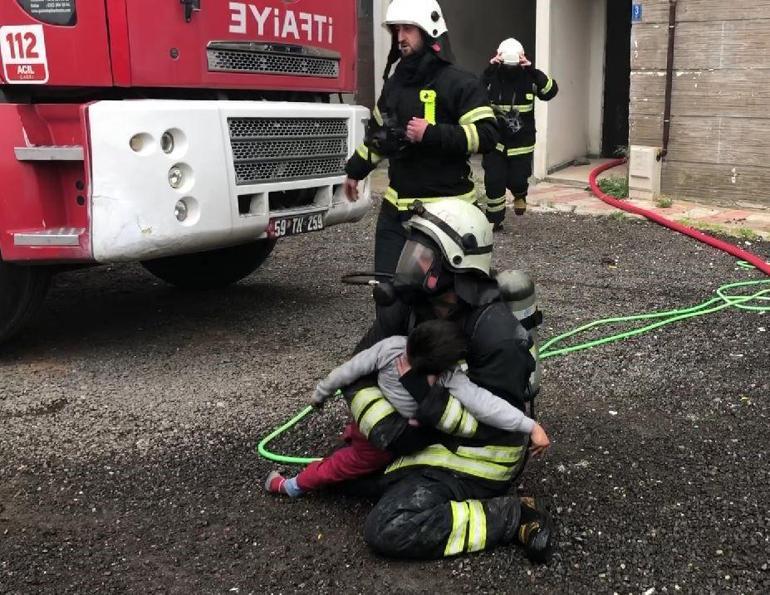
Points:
(188, 135)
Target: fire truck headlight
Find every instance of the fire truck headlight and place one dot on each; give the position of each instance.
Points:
(167, 142)
(180, 210)
(176, 177)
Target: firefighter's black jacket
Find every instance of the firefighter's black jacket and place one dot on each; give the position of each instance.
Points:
(463, 123)
(514, 89)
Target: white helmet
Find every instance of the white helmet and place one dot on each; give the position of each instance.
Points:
(425, 14)
(511, 51)
(460, 229)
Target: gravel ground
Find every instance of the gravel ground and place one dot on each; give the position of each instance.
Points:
(130, 412)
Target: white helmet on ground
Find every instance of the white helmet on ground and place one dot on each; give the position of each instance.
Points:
(511, 51)
(460, 230)
(425, 14)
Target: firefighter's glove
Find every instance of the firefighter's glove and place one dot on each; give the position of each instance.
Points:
(386, 139)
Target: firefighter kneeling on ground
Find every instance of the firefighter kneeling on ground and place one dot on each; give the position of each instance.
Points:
(512, 83)
(450, 494)
(430, 117)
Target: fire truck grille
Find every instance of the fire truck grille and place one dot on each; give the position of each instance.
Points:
(281, 149)
(226, 60)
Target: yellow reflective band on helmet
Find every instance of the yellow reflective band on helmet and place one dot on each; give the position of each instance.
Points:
(456, 541)
(480, 113)
(468, 425)
(520, 150)
(472, 134)
(451, 417)
(506, 455)
(548, 87)
(377, 115)
(428, 97)
(367, 154)
(375, 415)
(362, 400)
(477, 526)
(403, 204)
(440, 456)
(525, 107)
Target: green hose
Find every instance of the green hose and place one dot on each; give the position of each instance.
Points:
(722, 300)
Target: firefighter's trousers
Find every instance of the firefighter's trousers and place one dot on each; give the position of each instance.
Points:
(433, 513)
(501, 172)
(390, 238)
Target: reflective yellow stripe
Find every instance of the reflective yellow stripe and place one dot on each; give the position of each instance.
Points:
(497, 454)
(403, 204)
(472, 135)
(452, 415)
(377, 115)
(548, 87)
(364, 398)
(495, 201)
(477, 527)
(456, 541)
(468, 425)
(530, 96)
(520, 150)
(374, 415)
(496, 208)
(367, 154)
(523, 107)
(500, 147)
(480, 113)
(438, 455)
(468, 138)
(428, 97)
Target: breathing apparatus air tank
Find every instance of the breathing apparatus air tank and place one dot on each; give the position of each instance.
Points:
(518, 290)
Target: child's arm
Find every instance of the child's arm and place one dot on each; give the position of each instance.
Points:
(361, 364)
(485, 406)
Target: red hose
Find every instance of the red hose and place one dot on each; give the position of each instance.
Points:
(739, 253)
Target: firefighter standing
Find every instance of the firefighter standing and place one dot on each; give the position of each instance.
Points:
(512, 83)
(429, 118)
(449, 495)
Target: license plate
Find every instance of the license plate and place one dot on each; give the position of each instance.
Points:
(291, 226)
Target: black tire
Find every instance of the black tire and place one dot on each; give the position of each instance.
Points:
(22, 289)
(213, 269)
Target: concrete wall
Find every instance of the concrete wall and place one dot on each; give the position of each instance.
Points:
(575, 38)
(720, 122)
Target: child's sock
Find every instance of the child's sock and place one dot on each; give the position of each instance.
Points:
(278, 484)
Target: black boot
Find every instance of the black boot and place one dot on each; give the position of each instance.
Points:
(536, 531)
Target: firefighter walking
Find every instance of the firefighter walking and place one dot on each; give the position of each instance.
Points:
(430, 117)
(512, 83)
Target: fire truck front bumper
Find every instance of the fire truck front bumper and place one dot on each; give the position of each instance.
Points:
(174, 177)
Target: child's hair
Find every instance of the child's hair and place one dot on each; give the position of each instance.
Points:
(435, 346)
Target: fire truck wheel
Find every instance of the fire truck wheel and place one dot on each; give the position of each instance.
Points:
(213, 269)
(22, 289)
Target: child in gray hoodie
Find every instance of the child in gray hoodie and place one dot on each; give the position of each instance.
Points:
(432, 348)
